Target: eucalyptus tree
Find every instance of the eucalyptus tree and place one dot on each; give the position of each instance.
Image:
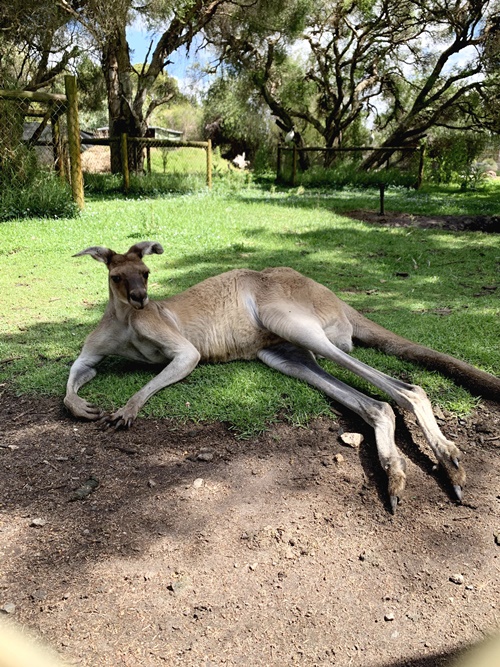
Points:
(407, 64)
(35, 47)
(437, 79)
(133, 92)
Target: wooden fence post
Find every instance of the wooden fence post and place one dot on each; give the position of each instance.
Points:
(57, 148)
(125, 169)
(209, 163)
(75, 155)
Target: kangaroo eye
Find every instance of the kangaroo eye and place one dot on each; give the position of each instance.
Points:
(145, 275)
(115, 279)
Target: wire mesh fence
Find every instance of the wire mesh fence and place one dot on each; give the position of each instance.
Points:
(32, 127)
(41, 140)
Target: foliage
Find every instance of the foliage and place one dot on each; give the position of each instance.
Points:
(452, 156)
(62, 299)
(340, 61)
(185, 116)
(44, 196)
(348, 174)
(237, 121)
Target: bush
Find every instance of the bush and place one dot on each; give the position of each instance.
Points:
(451, 157)
(46, 196)
(150, 185)
(349, 174)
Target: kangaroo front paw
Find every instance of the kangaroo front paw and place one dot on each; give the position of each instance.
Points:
(82, 409)
(122, 418)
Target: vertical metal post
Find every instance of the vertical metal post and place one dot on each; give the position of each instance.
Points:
(75, 156)
(382, 197)
(294, 165)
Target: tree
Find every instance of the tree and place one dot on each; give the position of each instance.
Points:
(32, 34)
(236, 118)
(448, 80)
(405, 57)
(129, 89)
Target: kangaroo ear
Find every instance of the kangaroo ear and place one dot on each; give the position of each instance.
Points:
(146, 248)
(98, 252)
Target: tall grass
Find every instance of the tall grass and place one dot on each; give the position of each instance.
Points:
(46, 196)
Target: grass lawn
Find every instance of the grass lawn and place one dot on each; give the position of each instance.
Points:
(50, 301)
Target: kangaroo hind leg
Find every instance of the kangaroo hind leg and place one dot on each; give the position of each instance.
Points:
(305, 330)
(300, 363)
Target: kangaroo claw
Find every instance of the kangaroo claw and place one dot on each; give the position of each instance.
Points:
(394, 503)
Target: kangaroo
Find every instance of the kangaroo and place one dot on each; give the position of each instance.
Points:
(278, 316)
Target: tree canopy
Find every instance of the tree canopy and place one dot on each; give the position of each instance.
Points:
(333, 71)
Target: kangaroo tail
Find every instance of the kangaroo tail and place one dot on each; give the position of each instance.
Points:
(371, 334)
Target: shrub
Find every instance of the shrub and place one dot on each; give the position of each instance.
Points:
(46, 196)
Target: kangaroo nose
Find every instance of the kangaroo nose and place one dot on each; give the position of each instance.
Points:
(138, 298)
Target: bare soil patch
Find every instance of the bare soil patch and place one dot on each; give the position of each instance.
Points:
(197, 548)
(459, 223)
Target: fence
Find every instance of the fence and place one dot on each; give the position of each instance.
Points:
(40, 131)
(293, 160)
(148, 157)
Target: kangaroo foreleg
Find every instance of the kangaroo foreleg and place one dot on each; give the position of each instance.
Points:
(301, 364)
(82, 371)
(180, 366)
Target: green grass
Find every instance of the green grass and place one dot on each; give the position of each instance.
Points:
(51, 300)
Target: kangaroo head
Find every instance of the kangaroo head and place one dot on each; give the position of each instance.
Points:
(128, 275)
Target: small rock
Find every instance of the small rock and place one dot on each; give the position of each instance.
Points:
(180, 585)
(86, 489)
(352, 439)
(205, 455)
(39, 595)
(497, 538)
(198, 483)
(457, 579)
(389, 617)
(151, 483)
(8, 608)
(338, 458)
(38, 523)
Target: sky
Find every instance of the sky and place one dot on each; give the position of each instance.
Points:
(139, 39)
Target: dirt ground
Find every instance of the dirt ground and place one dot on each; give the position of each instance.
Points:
(183, 545)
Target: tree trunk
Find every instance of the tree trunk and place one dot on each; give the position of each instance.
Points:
(122, 120)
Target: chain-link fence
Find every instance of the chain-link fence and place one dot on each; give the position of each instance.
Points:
(39, 153)
(32, 127)
(40, 140)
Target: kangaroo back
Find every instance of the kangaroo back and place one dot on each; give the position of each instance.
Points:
(371, 334)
